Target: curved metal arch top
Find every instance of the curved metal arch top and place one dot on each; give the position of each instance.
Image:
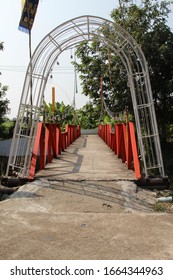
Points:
(63, 37)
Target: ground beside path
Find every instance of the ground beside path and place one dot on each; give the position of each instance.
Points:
(84, 205)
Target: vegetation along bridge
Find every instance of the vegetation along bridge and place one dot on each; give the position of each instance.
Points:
(34, 137)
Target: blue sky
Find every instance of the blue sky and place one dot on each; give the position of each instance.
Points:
(15, 58)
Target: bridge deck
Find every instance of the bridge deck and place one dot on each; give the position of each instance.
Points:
(88, 158)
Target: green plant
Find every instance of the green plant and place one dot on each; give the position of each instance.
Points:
(159, 207)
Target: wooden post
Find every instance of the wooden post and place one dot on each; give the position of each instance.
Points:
(53, 99)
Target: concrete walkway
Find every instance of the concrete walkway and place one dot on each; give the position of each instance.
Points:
(84, 205)
(88, 158)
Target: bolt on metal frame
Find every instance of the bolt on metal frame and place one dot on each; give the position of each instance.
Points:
(66, 36)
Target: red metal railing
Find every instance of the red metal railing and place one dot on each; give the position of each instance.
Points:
(50, 142)
(123, 142)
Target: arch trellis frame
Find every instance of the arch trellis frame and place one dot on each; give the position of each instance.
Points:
(63, 37)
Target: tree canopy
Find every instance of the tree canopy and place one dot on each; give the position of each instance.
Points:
(147, 23)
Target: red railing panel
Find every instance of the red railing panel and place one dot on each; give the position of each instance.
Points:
(134, 150)
(51, 142)
(35, 151)
(123, 142)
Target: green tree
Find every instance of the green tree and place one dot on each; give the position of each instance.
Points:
(147, 24)
(62, 114)
(88, 116)
(7, 128)
(1, 46)
(97, 71)
(3, 101)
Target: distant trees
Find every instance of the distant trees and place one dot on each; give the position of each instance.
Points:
(1, 46)
(62, 113)
(4, 102)
(88, 116)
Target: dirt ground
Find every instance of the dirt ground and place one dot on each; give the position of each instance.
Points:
(84, 220)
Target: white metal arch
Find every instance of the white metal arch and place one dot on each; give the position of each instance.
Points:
(65, 36)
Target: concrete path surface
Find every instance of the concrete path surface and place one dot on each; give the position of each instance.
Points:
(84, 205)
(88, 158)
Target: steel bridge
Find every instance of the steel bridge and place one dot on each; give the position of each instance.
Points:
(28, 126)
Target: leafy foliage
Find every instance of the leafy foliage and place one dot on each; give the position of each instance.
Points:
(147, 24)
(88, 116)
(7, 128)
(98, 66)
(62, 114)
(159, 53)
(1, 46)
(3, 102)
